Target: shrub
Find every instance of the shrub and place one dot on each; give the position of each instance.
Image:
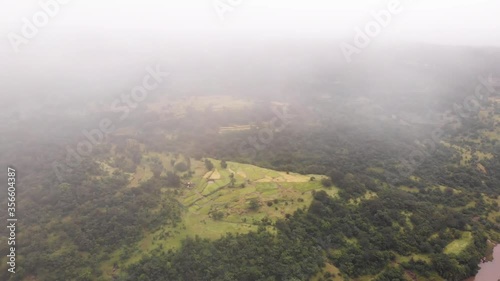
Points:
(326, 182)
(181, 167)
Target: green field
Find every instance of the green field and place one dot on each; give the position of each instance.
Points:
(277, 194)
(332, 270)
(458, 245)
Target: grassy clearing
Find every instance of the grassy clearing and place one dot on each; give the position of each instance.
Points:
(375, 170)
(471, 204)
(457, 246)
(407, 219)
(180, 107)
(124, 131)
(367, 196)
(278, 194)
(432, 277)
(443, 188)
(142, 173)
(492, 215)
(495, 135)
(236, 128)
(106, 167)
(332, 270)
(365, 278)
(415, 257)
(213, 192)
(467, 154)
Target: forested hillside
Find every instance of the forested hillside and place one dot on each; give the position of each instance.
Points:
(344, 174)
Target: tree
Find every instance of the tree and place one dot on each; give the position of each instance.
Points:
(391, 274)
(254, 204)
(326, 182)
(157, 169)
(209, 165)
(445, 266)
(223, 164)
(181, 167)
(218, 215)
(172, 180)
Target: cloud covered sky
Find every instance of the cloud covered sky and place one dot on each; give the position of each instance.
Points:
(97, 46)
(470, 22)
